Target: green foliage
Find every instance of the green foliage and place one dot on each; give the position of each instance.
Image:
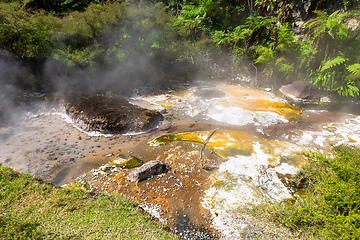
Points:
(323, 56)
(261, 37)
(143, 38)
(58, 6)
(279, 8)
(18, 229)
(79, 37)
(336, 50)
(32, 209)
(198, 18)
(25, 34)
(333, 195)
(76, 32)
(191, 20)
(109, 34)
(329, 24)
(41, 34)
(224, 14)
(332, 63)
(350, 3)
(329, 208)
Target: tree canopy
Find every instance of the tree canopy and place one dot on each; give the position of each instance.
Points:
(96, 33)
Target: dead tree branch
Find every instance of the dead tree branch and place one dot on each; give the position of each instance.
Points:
(206, 141)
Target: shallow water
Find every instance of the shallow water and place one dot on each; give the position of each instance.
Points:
(249, 157)
(45, 143)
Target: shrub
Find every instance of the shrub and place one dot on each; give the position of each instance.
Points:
(330, 207)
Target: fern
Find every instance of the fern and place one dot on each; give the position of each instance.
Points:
(323, 80)
(348, 89)
(284, 66)
(241, 32)
(256, 22)
(264, 54)
(307, 53)
(354, 69)
(333, 62)
(333, 25)
(219, 37)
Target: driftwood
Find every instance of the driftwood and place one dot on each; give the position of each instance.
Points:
(263, 178)
(255, 81)
(206, 141)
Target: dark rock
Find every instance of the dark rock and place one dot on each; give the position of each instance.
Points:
(208, 168)
(148, 170)
(304, 9)
(302, 91)
(109, 114)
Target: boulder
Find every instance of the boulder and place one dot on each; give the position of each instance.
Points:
(148, 170)
(109, 114)
(301, 91)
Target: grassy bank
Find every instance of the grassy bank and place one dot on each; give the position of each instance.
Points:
(32, 209)
(329, 209)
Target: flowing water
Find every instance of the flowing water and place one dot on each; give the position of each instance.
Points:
(227, 146)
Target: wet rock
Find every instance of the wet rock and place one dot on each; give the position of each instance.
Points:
(148, 170)
(109, 114)
(302, 91)
(209, 168)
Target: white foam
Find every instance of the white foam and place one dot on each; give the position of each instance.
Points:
(239, 116)
(215, 108)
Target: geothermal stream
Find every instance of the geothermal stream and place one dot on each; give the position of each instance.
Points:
(253, 145)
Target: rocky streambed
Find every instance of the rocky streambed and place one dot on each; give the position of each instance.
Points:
(226, 145)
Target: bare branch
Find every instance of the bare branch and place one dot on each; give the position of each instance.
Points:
(206, 141)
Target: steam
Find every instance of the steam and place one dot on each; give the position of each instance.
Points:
(135, 54)
(12, 74)
(14, 78)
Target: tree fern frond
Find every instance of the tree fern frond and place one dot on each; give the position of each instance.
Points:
(354, 69)
(241, 32)
(349, 89)
(321, 14)
(334, 14)
(333, 62)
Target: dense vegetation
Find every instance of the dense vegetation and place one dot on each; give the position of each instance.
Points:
(325, 52)
(74, 43)
(73, 47)
(114, 45)
(329, 209)
(32, 209)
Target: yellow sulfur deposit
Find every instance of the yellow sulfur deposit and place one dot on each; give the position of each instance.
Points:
(253, 100)
(225, 143)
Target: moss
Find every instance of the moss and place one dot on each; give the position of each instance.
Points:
(133, 162)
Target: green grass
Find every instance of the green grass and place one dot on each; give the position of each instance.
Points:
(33, 209)
(329, 209)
